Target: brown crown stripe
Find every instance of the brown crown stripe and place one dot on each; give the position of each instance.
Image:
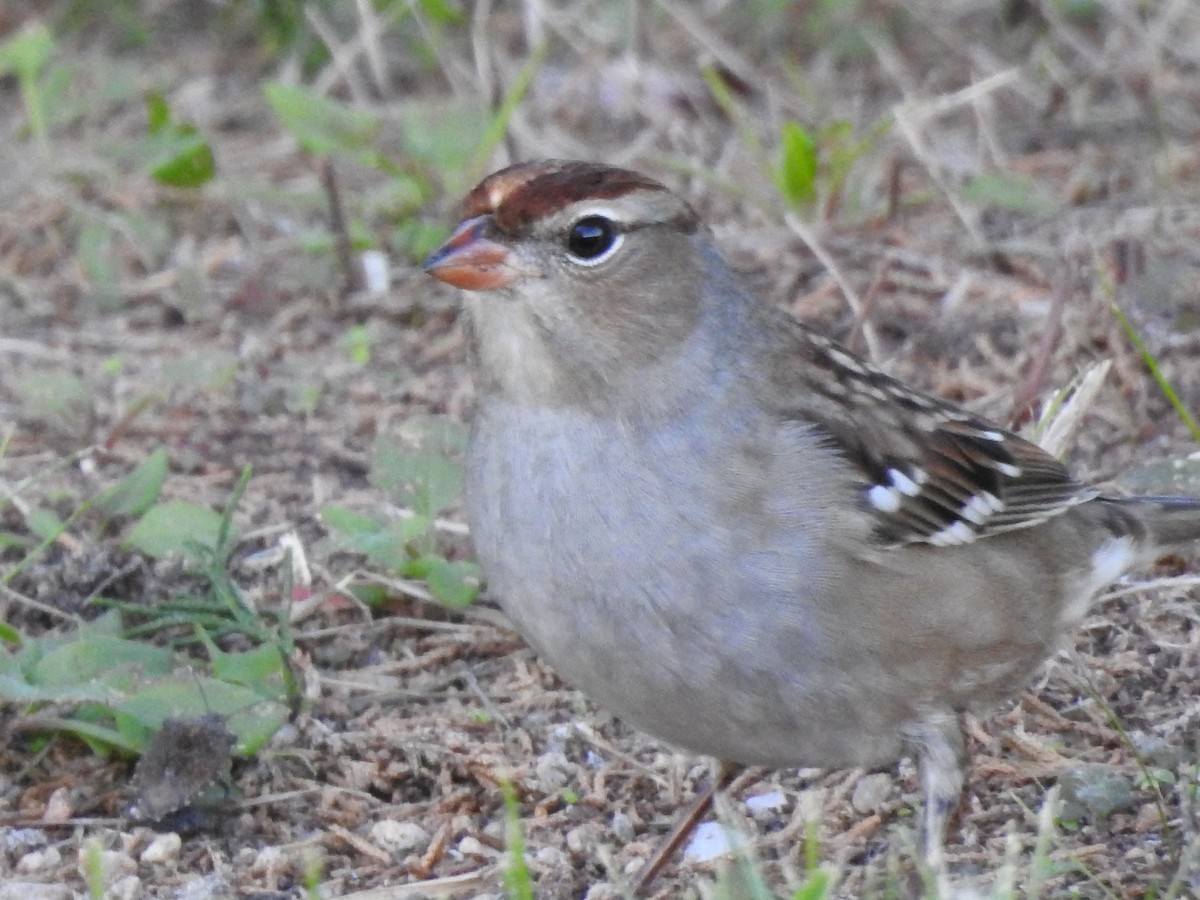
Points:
(526, 192)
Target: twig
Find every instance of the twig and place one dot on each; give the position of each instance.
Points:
(352, 275)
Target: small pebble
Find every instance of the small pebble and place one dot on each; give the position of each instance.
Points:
(208, 887)
(552, 771)
(375, 270)
(14, 840)
(59, 807)
(470, 846)
(127, 888)
(287, 736)
(582, 839)
(602, 890)
(622, 827)
(1149, 819)
(163, 848)
(710, 841)
(39, 861)
(871, 792)
(269, 863)
(810, 804)
(763, 805)
(399, 838)
(551, 859)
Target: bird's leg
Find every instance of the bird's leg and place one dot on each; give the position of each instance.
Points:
(684, 826)
(939, 747)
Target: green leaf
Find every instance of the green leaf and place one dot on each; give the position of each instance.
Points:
(445, 136)
(251, 719)
(183, 698)
(181, 157)
(26, 54)
(188, 162)
(358, 341)
(158, 113)
(350, 524)
(102, 658)
(425, 480)
(255, 726)
(323, 126)
(136, 492)
(100, 737)
(97, 256)
(261, 669)
(442, 12)
(816, 887)
(205, 368)
(60, 397)
(1004, 190)
(368, 593)
(177, 528)
(10, 666)
(796, 176)
(455, 584)
(383, 542)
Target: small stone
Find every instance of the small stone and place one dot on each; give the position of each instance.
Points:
(267, 857)
(551, 859)
(287, 736)
(1095, 792)
(164, 848)
(399, 838)
(552, 771)
(358, 774)
(602, 890)
(14, 840)
(494, 829)
(207, 887)
(127, 888)
(582, 839)
(810, 804)
(1149, 818)
(59, 807)
(622, 827)
(470, 846)
(711, 840)
(871, 793)
(763, 806)
(39, 861)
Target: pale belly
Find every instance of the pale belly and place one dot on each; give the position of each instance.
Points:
(695, 607)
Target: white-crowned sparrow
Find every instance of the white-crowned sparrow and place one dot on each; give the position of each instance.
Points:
(731, 531)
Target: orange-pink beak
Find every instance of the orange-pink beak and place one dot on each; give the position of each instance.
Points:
(471, 261)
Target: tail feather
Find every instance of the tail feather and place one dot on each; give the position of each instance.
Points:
(1169, 521)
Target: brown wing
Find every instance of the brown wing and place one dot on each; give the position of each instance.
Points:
(931, 471)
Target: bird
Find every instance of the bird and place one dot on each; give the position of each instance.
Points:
(731, 531)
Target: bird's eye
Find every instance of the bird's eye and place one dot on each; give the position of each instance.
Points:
(592, 239)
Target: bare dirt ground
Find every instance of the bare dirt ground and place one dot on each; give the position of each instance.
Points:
(1026, 165)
